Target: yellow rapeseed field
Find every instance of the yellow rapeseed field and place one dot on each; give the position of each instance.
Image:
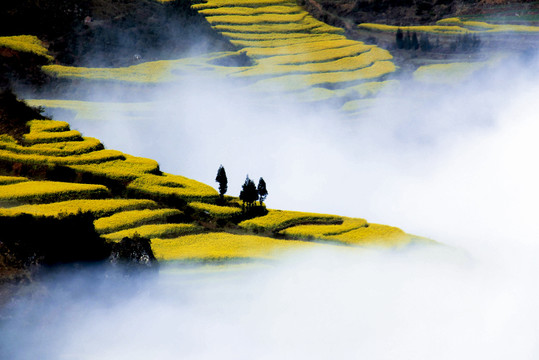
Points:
(48, 137)
(133, 218)
(277, 220)
(128, 169)
(317, 56)
(224, 246)
(98, 207)
(256, 19)
(49, 191)
(322, 231)
(25, 43)
(4, 180)
(299, 48)
(480, 26)
(155, 231)
(251, 3)
(280, 42)
(95, 157)
(300, 82)
(238, 10)
(65, 148)
(374, 235)
(172, 186)
(450, 73)
(430, 29)
(47, 125)
(216, 210)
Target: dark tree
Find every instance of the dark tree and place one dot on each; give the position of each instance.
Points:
(407, 41)
(262, 191)
(415, 42)
(399, 39)
(222, 180)
(424, 43)
(248, 193)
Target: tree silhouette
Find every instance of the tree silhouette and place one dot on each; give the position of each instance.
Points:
(415, 42)
(222, 180)
(399, 39)
(248, 193)
(262, 191)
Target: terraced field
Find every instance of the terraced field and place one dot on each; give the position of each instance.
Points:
(456, 26)
(290, 51)
(128, 195)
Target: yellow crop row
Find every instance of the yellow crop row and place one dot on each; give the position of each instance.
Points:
(299, 48)
(316, 56)
(287, 41)
(299, 82)
(155, 231)
(345, 64)
(134, 218)
(267, 28)
(49, 191)
(98, 207)
(322, 231)
(4, 180)
(216, 210)
(271, 36)
(47, 125)
(251, 3)
(148, 72)
(277, 220)
(94, 157)
(431, 29)
(125, 170)
(256, 19)
(49, 137)
(369, 89)
(481, 26)
(25, 43)
(65, 148)
(447, 73)
(374, 235)
(238, 10)
(171, 186)
(224, 246)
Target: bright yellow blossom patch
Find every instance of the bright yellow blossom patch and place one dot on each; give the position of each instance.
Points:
(256, 19)
(323, 231)
(299, 82)
(25, 43)
(299, 48)
(155, 231)
(47, 137)
(4, 180)
(252, 3)
(128, 169)
(49, 191)
(281, 42)
(223, 246)
(129, 219)
(172, 187)
(238, 10)
(374, 235)
(216, 210)
(98, 207)
(277, 220)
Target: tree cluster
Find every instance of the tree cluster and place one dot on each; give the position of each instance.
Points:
(466, 42)
(409, 41)
(250, 193)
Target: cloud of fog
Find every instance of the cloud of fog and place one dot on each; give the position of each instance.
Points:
(455, 164)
